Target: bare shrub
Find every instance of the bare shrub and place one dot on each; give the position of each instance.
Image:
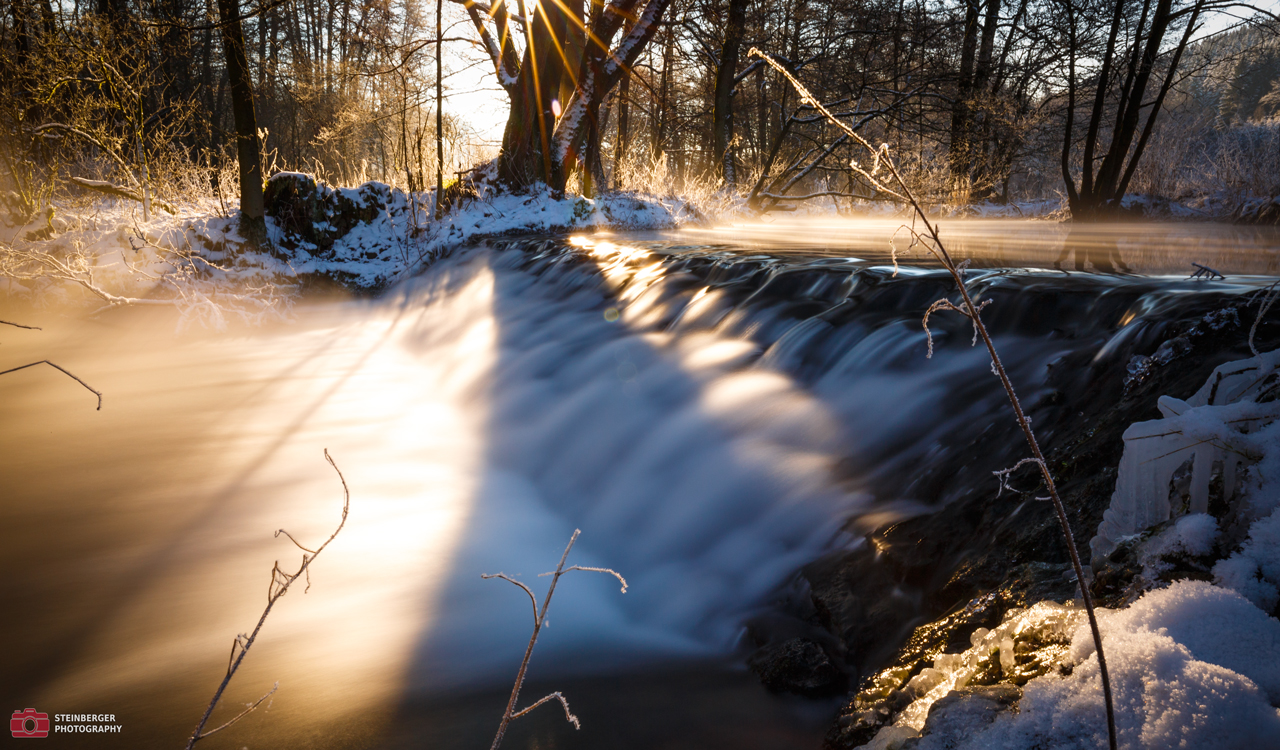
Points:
(540, 621)
(281, 580)
(59, 368)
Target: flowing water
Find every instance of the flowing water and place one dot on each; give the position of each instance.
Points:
(712, 409)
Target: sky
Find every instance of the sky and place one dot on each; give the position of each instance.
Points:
(473, 92)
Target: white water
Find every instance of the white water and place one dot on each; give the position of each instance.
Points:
(705, 485)
(479, 415)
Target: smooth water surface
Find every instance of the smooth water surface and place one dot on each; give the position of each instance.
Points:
(1150, 248)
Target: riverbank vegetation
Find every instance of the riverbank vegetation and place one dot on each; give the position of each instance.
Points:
(1104, 107)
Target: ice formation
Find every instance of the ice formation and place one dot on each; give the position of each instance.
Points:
(1043, 623)
(1212, 427)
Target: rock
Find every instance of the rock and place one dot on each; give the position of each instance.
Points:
(314, 216)
(1260, 211)
(798, 666)
(956, 716)
(921, 586)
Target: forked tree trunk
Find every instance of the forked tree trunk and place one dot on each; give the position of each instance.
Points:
(526, 143)
(1100, 197)
(546, 136)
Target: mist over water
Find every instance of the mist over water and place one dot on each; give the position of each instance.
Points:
(1140, 247)
(712, 417)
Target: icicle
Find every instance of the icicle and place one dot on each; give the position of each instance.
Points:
(1200, 429)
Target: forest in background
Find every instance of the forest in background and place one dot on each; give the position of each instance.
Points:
(999, 100)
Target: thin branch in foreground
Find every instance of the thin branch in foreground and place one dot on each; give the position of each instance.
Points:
(929, 238)
(19, 325)
(280, 582)
(540, 621)
(62, 370)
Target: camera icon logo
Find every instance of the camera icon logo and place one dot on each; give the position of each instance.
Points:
(29, 723)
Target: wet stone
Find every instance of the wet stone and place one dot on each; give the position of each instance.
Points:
(798, 666)
(961, 712)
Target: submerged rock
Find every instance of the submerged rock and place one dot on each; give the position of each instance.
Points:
(798, 666)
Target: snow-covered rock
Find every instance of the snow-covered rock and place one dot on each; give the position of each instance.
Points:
(368, 235)
(1192, 666)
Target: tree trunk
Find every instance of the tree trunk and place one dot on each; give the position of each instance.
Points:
(1100, 197)
(440, 109)
(248, 150)
(546, 136)
(979, 117)
(722, 122)
(960, 115)
(624, 126)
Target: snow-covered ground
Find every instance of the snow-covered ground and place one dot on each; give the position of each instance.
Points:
(105, 254)
(1194, 663)
(399, 233)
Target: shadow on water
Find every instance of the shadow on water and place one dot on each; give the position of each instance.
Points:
(710, 415)
(692, 477)
(1085, 247)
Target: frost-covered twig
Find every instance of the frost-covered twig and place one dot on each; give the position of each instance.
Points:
(31, 264)
(972, 310)
(1268, 299)
(280, 582)
(540, 621)
(119, 191)
(1003, 475)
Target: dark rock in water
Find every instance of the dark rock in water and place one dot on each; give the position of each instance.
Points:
(356, 237)
(961, 712)
(798, 666)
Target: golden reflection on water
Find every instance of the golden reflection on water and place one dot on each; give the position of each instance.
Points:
(1139, 247)
(138, 540)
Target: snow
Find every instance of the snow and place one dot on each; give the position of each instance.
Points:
(197, 261)
(1254, 570)
(1221, 424)
(1190, 535)
(1192, 666)
(105, 255)
(402, 234)
(1185, 665)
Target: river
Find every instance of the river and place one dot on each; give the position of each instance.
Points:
(712, 408)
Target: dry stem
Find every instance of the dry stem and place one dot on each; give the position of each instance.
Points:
(62, 370)
(540, 620)
(929, 238)
(280, 583)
